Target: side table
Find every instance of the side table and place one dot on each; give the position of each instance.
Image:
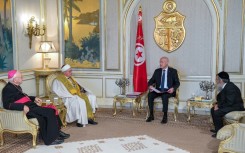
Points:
(197, 104)
(43, 73)
(122, 99)
(62, 110)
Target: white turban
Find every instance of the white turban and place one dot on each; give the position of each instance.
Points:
(65, 68)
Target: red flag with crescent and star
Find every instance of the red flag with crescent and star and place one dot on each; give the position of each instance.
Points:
(140, 75)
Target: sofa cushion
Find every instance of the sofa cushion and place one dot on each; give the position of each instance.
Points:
(225, 132)
(34, 121)
(235, 115)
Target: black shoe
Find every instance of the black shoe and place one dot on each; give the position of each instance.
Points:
(214, 135)
(150, 118)
(90, 121)
(214, 131)
(57, 141)
(60, 138)
(164, 120)
(64, 135)
(79, 125)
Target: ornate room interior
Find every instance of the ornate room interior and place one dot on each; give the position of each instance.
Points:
(213, 41)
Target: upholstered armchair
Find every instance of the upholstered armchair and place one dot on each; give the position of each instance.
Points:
(49, 81)
(16, 121)
(235, 116)
(233, 138)
(61, 107)
(172, 100)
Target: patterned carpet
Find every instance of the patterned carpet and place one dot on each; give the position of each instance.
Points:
(197, 121)
(23, 142)
(135, 144)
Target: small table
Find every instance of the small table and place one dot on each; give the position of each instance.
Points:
(61, 109)
(43, 73)
(197, 104)
(135, 100)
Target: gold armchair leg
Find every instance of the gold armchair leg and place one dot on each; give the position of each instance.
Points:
(34, 140)
(175, 112)
(1, 138)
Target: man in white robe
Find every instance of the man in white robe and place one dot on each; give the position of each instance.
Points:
(76, 106)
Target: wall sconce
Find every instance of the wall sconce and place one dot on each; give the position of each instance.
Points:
(33, 29)
(45, 48)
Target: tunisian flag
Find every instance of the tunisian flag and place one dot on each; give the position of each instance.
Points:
(140, 76)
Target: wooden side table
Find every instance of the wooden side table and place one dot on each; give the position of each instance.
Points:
(197, 104)
(124, 99)
(43, 73)
(62, 110)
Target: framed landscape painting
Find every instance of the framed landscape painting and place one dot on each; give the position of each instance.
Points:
(6, 43)
(82, 33)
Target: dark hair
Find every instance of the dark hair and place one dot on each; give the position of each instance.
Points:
(226, 80)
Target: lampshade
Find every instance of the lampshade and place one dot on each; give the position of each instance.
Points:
(46, 47)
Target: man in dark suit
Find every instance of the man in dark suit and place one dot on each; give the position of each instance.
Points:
(166, 80)
(229, 99)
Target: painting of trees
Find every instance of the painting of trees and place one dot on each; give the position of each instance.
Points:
(82, 37)
(6, 44)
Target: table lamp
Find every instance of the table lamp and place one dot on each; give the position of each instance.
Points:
(45, 48)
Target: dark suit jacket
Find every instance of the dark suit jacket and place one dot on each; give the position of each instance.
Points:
(10, 94)
(173, 79)
(230, 99)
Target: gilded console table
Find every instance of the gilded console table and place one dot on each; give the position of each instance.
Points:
(122, 99)
(43, 73)
(60, 107)
(197, 104)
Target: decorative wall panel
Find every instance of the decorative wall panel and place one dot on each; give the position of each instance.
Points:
(233, 36)
(112, 21)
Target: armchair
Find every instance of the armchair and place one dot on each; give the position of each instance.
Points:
(173, 100)
(15, 121)
(61, 107)
(49, 81)
(235, 116)
(233, 138)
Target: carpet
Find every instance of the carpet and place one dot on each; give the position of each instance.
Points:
(133, 144)
(122, 125)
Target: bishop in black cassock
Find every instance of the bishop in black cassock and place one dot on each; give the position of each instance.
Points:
(12, 97)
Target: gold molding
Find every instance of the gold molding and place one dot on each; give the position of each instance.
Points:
(241, 39)
(218, 33)
(59, 35)
(124, 36)
(217, 38)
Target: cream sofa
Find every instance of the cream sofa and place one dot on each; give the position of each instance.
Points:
(235, 116)
(15, 121)
(233, 138)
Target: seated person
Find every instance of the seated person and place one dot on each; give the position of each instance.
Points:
(167, 81)
(228, 99)
(80, 103)
(15, 99)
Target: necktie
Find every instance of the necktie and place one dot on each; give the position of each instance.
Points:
(163, 79)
